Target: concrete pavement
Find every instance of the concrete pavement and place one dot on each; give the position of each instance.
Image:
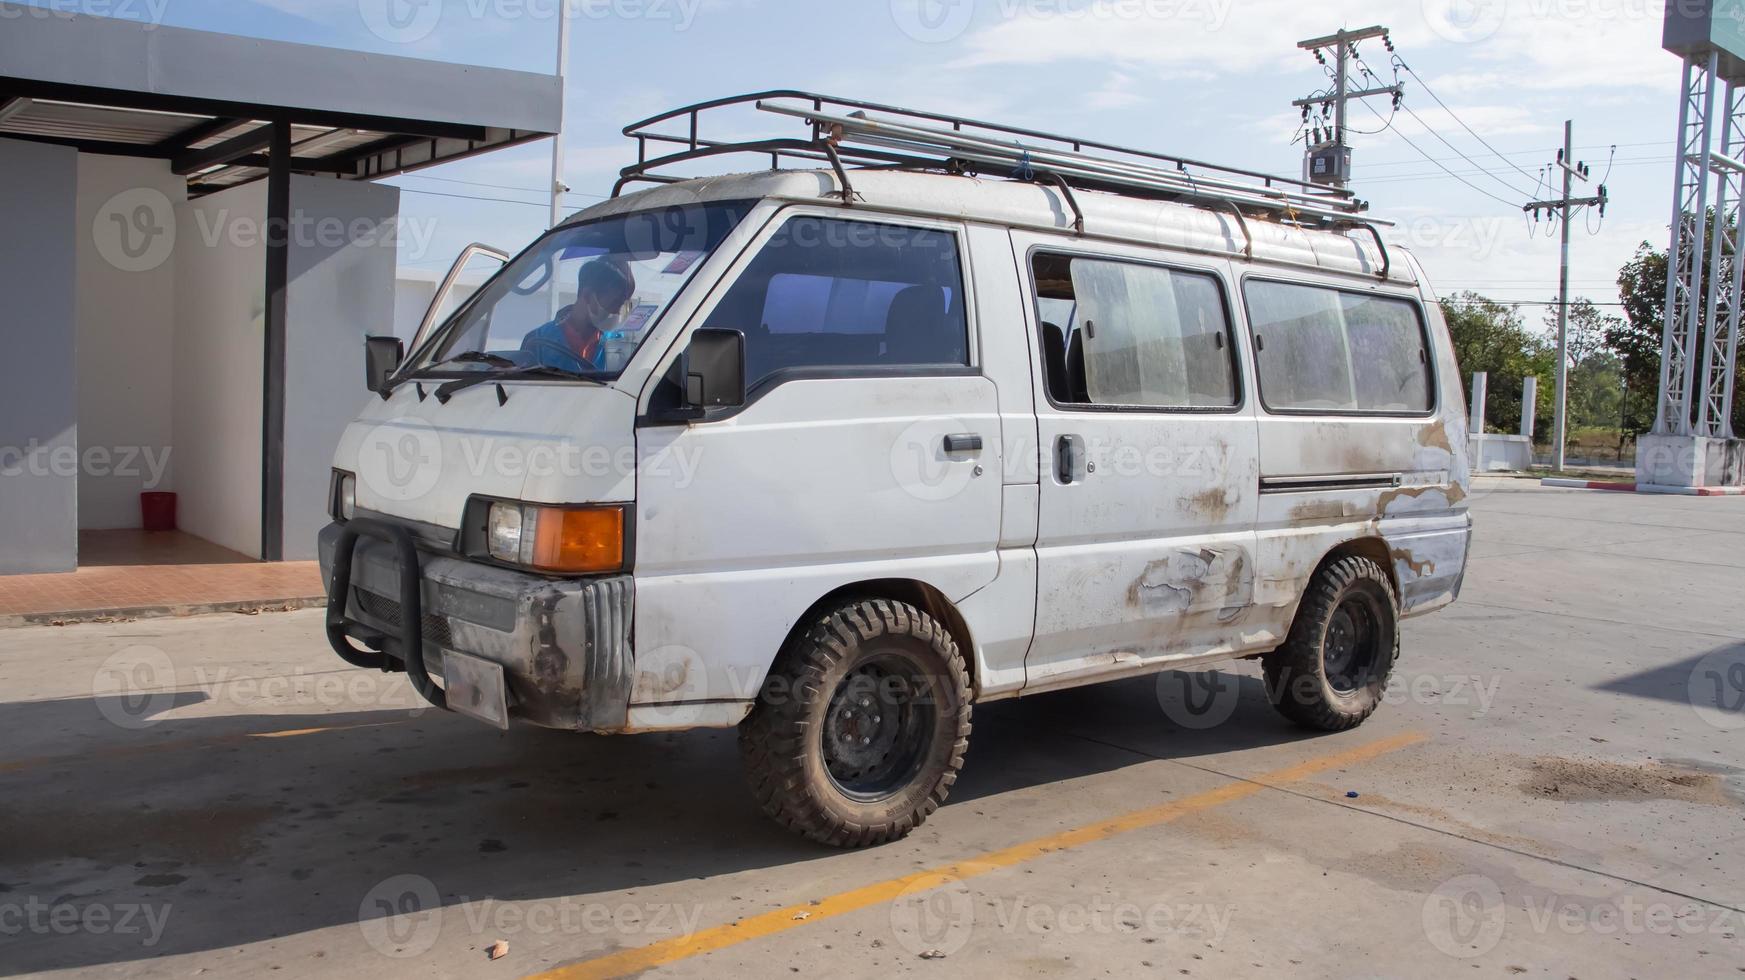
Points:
(1539, 797)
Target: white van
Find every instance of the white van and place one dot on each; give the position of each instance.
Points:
(964, 413)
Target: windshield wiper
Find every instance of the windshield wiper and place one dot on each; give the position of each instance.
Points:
(447, 391)
(478, 357)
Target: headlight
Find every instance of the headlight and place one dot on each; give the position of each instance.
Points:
(503, 534)
(573, 540)
(344, 495)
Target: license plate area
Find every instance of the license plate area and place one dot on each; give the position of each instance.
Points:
(475, 688)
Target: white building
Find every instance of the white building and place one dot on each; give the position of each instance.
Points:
(160, 331)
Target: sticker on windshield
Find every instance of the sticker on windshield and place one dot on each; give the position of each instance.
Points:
(637, 318)
(681, 263)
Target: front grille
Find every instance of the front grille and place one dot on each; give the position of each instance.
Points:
(387, 611)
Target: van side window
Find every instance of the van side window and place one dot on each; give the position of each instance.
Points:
(1322, 349)
(1121, 333)
(827, 292)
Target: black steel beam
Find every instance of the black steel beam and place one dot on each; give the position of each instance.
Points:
(278, 280)
(194, 161)
(92, 146)
(300, 165)
(171, 145)
(90, 95)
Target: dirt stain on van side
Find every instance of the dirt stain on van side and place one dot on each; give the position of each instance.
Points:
(1195, 581)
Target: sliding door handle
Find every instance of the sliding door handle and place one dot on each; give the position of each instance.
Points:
(963, 442)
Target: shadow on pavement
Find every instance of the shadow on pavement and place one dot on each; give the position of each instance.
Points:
(233, 836)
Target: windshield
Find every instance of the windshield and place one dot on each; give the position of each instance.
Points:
(583, 298)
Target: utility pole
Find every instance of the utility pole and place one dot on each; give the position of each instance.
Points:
(563, 62)
(1328, 161)
(1562, 207)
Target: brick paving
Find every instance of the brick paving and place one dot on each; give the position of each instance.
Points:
(141, 573)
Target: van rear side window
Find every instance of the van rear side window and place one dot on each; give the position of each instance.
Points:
(1132, 335)
(831, 293)
(1327, 350)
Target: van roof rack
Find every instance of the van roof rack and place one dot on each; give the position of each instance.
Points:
(848, 132)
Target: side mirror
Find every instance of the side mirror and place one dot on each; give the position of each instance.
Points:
(714, 369)
(382, 357)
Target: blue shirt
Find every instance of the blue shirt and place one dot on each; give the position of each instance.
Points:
(550, 346)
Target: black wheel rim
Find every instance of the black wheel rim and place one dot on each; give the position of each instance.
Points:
(1352, 648)
(877, 728)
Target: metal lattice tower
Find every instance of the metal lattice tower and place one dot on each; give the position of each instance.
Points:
(1704, 277)
(1720, 342)
(1684, 264)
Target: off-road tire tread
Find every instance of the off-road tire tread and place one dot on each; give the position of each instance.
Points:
(773, 737)
(1301, 653)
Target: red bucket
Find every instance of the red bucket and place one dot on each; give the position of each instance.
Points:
(157, 511)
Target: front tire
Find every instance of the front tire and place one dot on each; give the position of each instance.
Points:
(861, 727)
(1332, 672)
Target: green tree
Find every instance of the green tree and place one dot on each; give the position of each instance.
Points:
(1595, 379)
(1491, 337)
(1637, 340)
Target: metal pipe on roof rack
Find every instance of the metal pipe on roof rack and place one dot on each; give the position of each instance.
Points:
(957, 123)
(1190, 190)
(956, 140)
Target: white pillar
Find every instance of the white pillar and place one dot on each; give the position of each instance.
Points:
(1529, 405)
(1480, 380)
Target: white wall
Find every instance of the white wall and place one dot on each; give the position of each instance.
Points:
(126, 325)
(343, 257)
(38, 400)
(220, 295)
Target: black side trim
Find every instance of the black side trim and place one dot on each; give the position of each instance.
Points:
(1313, 484)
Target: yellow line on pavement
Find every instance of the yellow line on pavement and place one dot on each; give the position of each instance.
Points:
(143, 747)
(666, 951)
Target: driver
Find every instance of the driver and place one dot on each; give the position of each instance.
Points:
(575, 340)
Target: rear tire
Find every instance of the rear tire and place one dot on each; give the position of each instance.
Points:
(861, 727)
(1332, 672)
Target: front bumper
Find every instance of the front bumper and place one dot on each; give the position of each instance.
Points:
(564, 644)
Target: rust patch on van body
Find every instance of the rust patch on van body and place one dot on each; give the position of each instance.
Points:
(1421, 567)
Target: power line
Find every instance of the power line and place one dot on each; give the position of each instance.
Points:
(1401, 62)
(1480, 167)
(1463, 180)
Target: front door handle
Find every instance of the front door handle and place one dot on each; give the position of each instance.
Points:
(963, 442)
(1066, 458)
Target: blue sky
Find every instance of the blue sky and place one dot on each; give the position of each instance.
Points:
(1209, 79)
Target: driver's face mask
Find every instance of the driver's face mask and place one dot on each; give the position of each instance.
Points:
(607, 320)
